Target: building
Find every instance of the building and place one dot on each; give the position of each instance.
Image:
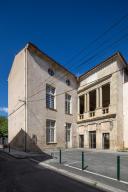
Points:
(102, 117)
(49, 107)
(42, 114)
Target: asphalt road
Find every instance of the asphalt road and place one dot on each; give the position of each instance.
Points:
(23, 175)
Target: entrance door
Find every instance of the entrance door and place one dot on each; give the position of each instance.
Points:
(92, 139)
(81, 141)
(106, 140)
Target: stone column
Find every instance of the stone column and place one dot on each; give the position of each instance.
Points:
(78, 105)
(87, 102)
(101, 97)
(97, 98)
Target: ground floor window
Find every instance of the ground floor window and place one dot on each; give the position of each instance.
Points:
(92, 139)
(50, 131)
(68, 132)
(106, 140)
(81, 141)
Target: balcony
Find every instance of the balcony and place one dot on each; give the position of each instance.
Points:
(100, 112)
(81, 116)
(95, 104)
(92, 113)
(105, 110)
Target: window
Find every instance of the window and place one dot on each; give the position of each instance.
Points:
(51, 72)
(92, 101)
(106, 95)
(81, 104)
(106, 140)
(68, 82)
(50, 97)
(67, 104)
(50, 131)
(68, 132)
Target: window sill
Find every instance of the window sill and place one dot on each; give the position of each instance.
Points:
(51, 109)
(49, 143)
(69, 114)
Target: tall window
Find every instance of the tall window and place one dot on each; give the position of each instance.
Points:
(50, 97)
(67, 103)
(50, 131)
(68, 132)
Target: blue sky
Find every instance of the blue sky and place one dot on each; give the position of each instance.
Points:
(61, 28)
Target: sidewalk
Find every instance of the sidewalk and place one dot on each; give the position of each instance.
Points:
(26, 155)
(84, 177)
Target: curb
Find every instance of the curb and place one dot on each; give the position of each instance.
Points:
(78, 178)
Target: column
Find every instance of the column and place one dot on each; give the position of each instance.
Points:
(88, 102)
(78, 107)
(101, 97)
(85, 103)
(97, 98)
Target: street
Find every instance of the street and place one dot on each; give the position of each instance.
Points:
(23, 175)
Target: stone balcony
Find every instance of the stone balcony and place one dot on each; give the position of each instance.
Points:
(99, 112)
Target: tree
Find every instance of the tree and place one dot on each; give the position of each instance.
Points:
(3, 126)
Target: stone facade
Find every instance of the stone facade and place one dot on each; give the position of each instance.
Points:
(104, 121)
(27, 88)
(28, 113)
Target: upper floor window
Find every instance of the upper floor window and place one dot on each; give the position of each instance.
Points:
(51, 72)
(92, 100)
(67, 103)
(50, 131)
(81, 104)
(106, 95)
(50, 97)
(68, 82)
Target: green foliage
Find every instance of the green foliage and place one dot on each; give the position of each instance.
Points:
(3, 126)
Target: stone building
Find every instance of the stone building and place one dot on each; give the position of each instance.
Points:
(49, 107)
(42, 109)
(102, 106)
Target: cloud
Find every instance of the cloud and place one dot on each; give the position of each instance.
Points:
(4, 109)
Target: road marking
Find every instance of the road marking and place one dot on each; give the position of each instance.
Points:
(97, 174)
(73, 162)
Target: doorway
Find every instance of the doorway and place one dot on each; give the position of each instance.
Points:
(106, 140)
(81, 141)
(92, 139)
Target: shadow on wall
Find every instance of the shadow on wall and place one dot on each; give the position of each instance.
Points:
(24, 142)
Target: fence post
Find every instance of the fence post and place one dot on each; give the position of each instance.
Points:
(60, 157)
(118, 167)
(82, 160)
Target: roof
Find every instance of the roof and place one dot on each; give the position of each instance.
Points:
(34, 48)
(100, 65)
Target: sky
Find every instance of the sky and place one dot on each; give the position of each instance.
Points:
(77, 33)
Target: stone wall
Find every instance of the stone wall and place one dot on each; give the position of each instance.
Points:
(37, 78)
